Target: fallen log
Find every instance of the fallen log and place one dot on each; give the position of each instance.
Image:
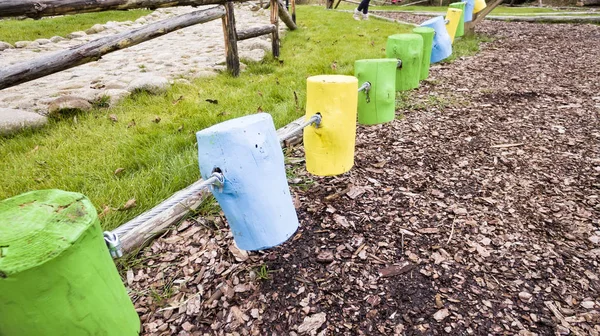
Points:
(40, 8)
(255, 32)
(138, 237)
(94, 50)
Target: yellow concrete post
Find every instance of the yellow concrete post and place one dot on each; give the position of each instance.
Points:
(453, 18)
(479, 6)
(329, 149)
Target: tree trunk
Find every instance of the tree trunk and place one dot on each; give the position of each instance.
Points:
(255, 32)
(231, 50)
(40, 8)
(481, 15)
(92, 51)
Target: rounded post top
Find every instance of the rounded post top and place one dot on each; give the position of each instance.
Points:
(423, 30)
(237, 123)
(37, 226)
(405, 37)
(434, 21)
(460, 5)
(332, 79)
(376, 60)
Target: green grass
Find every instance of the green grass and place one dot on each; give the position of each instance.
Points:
(160, 158)
(500, 10)
(14, 30)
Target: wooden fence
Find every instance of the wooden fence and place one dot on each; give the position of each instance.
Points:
(94, 50)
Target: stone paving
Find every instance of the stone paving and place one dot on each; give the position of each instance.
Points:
(196, 51)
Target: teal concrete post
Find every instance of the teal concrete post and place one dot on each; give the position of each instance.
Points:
(255, 197)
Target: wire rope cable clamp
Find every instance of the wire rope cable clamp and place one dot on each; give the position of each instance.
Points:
(217, 179)
(366, 87)
(113, 243)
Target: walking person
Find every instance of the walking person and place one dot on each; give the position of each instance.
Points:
(364, 7)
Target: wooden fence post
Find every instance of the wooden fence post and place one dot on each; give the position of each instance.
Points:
(231, 51)
(294, 11)
(275, 21)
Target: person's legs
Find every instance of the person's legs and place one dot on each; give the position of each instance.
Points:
(356, 14)
(364, 6)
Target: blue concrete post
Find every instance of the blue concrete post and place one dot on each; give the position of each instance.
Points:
(442, 45)
(255, 196)
(469, 10)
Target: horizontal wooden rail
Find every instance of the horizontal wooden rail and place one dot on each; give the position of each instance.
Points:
(40, 8)
(255, 32)
(94, 50)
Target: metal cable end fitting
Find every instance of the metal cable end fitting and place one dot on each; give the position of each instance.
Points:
(113, 243)
(399, 64)
(317, 120)
(220, 178)
(365, 87)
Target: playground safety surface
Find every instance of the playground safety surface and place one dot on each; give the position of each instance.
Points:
(477, 213)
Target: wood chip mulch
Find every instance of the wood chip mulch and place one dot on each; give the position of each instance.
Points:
(478, 213)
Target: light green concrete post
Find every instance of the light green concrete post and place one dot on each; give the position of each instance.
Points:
(379, 104)
(427, 35)
(56, 274)
(409, 49)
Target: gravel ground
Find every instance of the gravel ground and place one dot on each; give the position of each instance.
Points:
(196, 51)
(477, 213)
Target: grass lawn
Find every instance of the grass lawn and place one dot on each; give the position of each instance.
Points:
(81, 154)
(14, 30)
(500, 10)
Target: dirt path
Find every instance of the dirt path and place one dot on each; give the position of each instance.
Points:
(476, 214)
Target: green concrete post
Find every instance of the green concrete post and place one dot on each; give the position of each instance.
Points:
(409, 49)
(427, 35)
(56, 274)
(460, 29)
(378, 105)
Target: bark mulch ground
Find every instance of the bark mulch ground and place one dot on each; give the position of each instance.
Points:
(476, 213)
